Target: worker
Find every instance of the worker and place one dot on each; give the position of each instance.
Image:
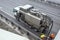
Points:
(42, 36)
(51, 37)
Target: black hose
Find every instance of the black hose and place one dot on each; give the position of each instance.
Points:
(50, 29)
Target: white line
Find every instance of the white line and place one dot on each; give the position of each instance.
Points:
(7, 13)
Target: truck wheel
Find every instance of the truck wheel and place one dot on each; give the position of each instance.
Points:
(32, 27)
(27, 33)
(36, 30)
(19, 28)
(17, 18)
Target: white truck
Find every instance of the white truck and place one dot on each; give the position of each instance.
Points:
(32, 17)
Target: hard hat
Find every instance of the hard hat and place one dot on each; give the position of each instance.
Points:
(42, 36)
(52, 35)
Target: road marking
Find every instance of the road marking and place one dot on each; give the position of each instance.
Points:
(7, 13)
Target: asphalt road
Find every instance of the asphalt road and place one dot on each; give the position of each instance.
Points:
(20, 24)
(53, 12)
(56, 1)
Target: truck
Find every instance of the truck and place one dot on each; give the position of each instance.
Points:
(33, 17)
